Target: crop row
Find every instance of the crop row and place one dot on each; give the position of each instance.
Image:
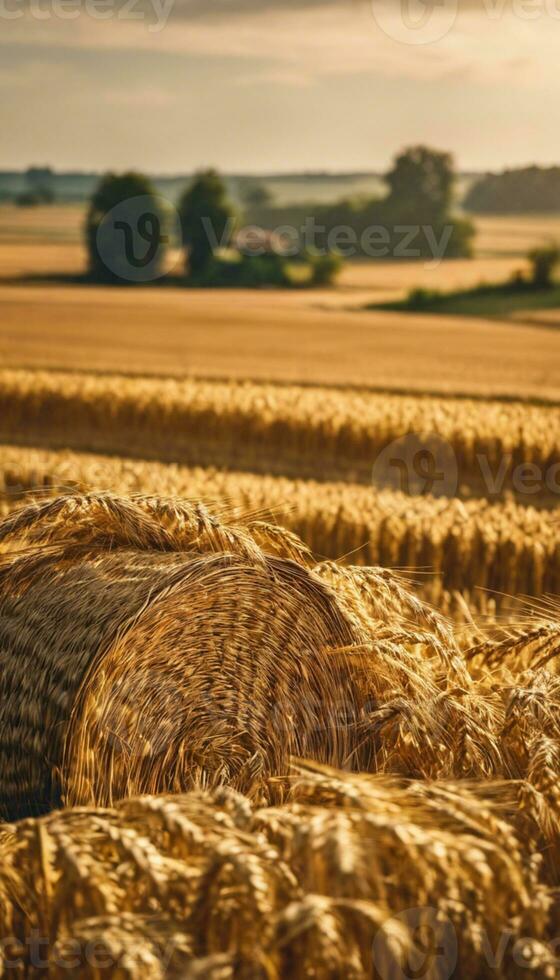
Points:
(415, 444)
(484, 550)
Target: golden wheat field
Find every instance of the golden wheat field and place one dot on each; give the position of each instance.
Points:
(273, 703)
(279, 628)
(279, 490)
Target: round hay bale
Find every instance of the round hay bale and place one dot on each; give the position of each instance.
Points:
(146, 646)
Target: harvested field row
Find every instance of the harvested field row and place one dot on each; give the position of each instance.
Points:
(337, 881)
(487, 449)
(486, 552)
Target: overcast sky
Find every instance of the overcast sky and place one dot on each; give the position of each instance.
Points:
(276, 85)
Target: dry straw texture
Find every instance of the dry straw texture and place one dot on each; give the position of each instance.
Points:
(308, 432)
(150, 646)
(212, 886)
(142, 643)
(485, 552)
(147, 646)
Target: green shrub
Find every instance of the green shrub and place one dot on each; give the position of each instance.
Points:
(420, 298)
(543, 262)
(33, 198)
(324, 268)
(244, 271)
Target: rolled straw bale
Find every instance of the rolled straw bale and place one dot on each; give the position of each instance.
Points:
(147, 646)
(336, 881)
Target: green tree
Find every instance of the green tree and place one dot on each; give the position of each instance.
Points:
(421, 186)
(525, 190)
(40, 188)
(543, 263)
(111, 245)
(256, 195)
(39, 178)
(205, 214)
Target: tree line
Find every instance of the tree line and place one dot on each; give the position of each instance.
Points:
(527, 190)
(263, 245)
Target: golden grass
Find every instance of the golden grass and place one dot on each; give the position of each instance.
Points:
(209, 886)
(305, 432)
(484, 552)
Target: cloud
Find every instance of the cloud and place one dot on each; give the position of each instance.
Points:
(273, 84)
(212, 9)
(298, 43)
